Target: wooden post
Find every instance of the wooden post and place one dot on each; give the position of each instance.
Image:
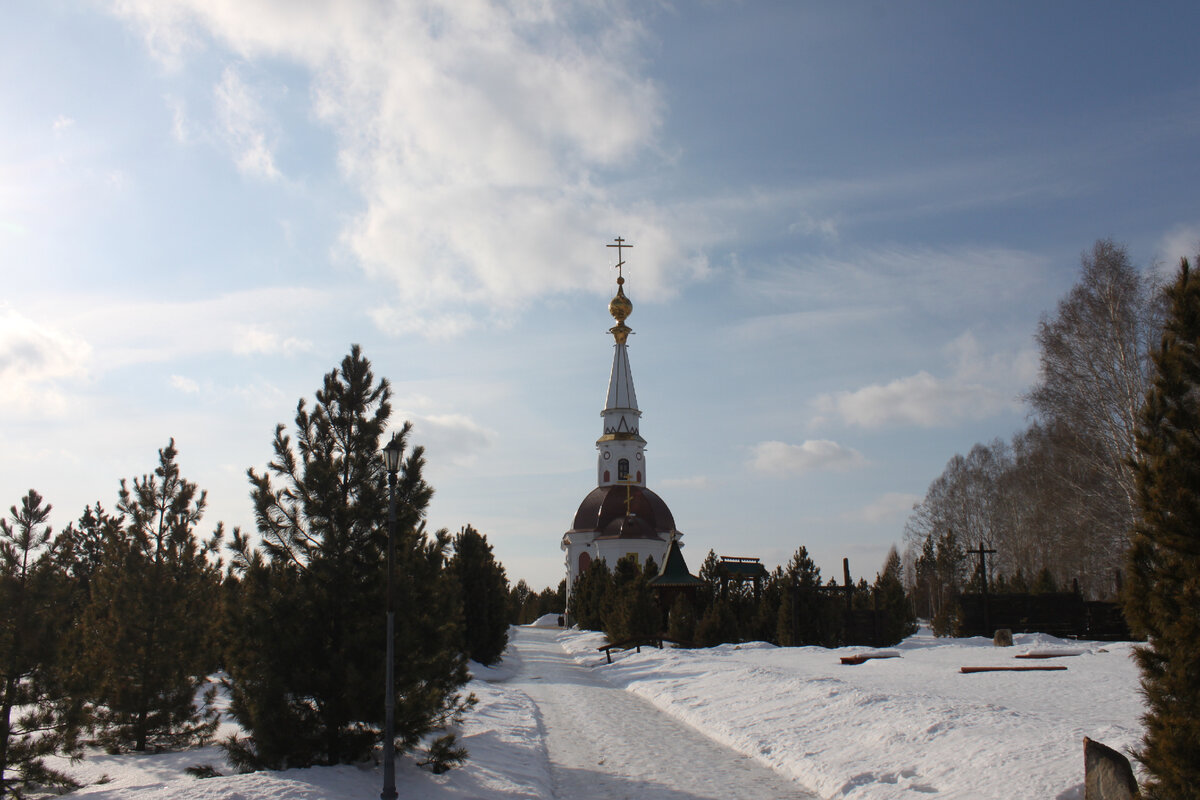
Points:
(795, 610)
(983, 579)
(875, 617)
(847, 589)
(846, 583)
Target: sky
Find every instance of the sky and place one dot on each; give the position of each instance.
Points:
(847, 220)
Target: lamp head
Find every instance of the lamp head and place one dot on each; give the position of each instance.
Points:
(391, 455)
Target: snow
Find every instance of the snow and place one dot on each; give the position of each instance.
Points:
(555, 717)
(890, 727)
(606, 743)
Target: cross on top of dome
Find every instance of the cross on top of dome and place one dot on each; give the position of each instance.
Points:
(620, 244)
(620, 307)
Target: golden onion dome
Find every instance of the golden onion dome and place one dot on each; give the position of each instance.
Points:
(620, 307)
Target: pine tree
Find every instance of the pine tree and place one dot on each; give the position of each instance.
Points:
(764, 619)
(147, 632)
(804, 613)
(925, 588)
(1018, 584)
(625, 572)
(518, 596)
(79, 549)
(681, 622)
(1044, 582)
(712, 575)
(948, 568)
(38, 718)
(591, 595)
(632, 612)
(547, 601)
(897, 620)
(306, 663)
(718, 625)
(1163, 594)
(484, 591)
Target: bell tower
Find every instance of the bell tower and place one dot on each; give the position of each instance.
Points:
(621, 517)
(622, 450)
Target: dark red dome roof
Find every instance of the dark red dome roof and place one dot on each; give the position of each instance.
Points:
(606, 505)
(629, 527)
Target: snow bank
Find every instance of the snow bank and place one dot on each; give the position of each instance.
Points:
(503, 735)
(888, 728)
(547, 621)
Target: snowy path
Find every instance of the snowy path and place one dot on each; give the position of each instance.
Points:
(606, 743)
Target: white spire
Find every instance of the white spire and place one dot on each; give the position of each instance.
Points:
(622, 449)
(620, 384)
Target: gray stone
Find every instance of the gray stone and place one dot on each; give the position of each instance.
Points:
(1003, 637)
(1107, 774)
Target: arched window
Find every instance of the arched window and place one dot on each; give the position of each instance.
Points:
(585, 561)
(623, 469)
(639, 476)
(606, 478)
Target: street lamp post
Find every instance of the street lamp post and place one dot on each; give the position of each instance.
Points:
(391, 458)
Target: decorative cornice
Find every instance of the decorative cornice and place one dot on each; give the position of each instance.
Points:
(623, 436)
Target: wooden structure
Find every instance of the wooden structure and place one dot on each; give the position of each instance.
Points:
(652, 641)
(674, 580)
(638, 644)
(859, 625)
(1063, 614)
(741, 569)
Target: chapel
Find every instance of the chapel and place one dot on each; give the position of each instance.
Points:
(621, 516)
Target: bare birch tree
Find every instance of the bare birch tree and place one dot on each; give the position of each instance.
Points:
(1094, 368)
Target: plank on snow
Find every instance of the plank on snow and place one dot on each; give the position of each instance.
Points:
(1050, 668)
(862, 658)
(1059, 654)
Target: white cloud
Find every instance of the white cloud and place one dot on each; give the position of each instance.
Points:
(441, 326)
(1180, 242)
(780, 458)
(810, 225)
(694, 482)
(263, 395)
(165, 27)
(184, 384)
(256, 339)
(179, 125)
(448, 438)
(919, 399)
(62, 123)
(472, 132)
(253, 322)
(915, 279)
(888, 506)
(38, 364)
(980, 386)
(243, 126)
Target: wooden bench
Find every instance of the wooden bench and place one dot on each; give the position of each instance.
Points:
(637, 643)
